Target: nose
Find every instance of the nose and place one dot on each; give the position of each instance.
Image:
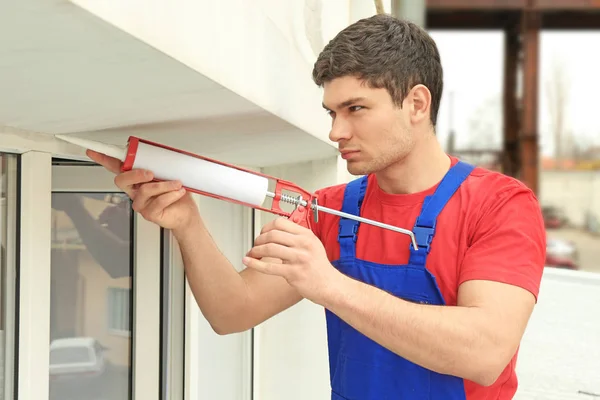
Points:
(340, 130)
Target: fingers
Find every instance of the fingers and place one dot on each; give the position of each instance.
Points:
(148, 191)
(157, 205)
(110, 163)
(127, 181)
(283, 224)
(266, 267)
(276, 236)
(272, 250)
(282, 239)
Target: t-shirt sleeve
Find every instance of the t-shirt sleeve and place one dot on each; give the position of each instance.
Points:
(509, 242)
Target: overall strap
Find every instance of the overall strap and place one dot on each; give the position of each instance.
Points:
(424, 228)
(348, 228)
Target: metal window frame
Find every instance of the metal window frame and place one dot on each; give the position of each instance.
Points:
(10, 284)
(146, 315)
(33, 276)
(173, 311)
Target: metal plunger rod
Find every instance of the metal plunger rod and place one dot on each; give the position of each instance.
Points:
(317, 208)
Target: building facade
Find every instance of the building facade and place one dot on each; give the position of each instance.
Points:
(94, 301)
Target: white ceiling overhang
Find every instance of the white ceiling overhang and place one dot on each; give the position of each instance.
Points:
(63, 70)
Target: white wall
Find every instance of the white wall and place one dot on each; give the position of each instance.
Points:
(291, 348)
(258, 49)
(362, 9)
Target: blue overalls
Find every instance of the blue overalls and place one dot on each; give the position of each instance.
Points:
(361, 369)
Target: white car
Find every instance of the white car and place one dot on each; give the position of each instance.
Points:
(77, 357)
(561, 248)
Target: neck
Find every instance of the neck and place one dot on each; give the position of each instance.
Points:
(421, 169)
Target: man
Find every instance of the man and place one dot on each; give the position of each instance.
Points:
(443, 321)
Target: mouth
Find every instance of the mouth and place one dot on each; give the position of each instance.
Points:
(349, 154)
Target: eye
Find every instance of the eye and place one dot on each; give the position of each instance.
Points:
(355, 108)
(330, 113)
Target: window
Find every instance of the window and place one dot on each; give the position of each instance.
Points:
(90, 313)
(118, 310)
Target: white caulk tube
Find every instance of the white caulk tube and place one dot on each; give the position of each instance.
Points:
(194, 172)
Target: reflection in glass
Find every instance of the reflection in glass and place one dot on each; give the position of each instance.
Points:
(90, 308)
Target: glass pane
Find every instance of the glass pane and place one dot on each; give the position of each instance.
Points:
(7, 272)
(90, 308)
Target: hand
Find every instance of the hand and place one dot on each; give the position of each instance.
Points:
(305, 264)
(165, 203)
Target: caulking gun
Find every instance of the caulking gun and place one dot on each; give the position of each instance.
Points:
(212, 178)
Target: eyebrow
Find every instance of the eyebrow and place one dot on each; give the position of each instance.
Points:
(347, 102)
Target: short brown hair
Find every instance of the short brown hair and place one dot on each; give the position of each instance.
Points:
(387, 53)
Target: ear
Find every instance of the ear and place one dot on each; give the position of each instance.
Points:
(419, 104)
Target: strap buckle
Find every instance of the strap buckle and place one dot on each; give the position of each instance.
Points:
(423, 236)
(348, 229)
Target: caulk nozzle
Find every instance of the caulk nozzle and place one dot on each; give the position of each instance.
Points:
(107, 149)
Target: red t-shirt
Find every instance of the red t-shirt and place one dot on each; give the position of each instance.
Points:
(491, 229)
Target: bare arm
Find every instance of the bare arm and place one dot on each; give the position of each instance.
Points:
(477, 338)
(474, 340)
(230, 301)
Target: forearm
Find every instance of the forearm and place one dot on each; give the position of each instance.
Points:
(457, 341)
(218, 288)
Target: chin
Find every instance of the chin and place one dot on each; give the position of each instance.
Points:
(366, 167)
(357, 169)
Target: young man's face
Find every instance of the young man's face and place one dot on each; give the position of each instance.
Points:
(371, 132)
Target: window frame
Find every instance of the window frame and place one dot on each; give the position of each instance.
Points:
(33, 276)
(36, 152)
(9, 290)
(145, 299)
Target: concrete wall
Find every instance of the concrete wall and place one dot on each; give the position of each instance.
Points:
(574, 192)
